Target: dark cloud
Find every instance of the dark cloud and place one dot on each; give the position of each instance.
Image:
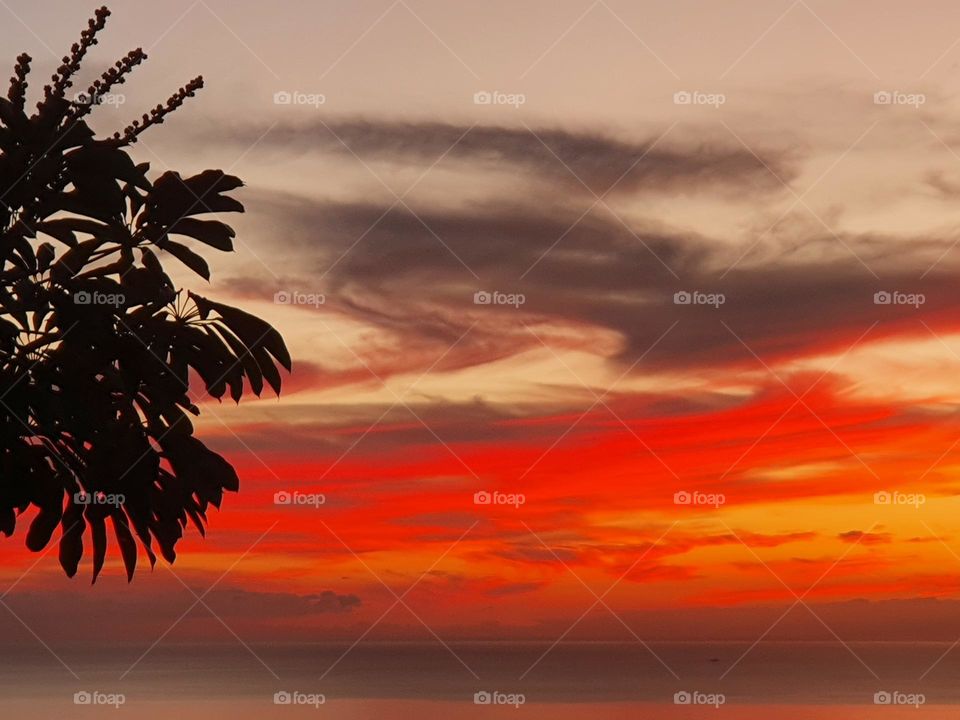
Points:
(609, 280)
(237, 602)
(752, 540)
(118, 617)
(398, 427)
(536, 553)
(517, 588)
(569, 158)
(329, 601)
(865, 538)
(945, 188)
(415, 277)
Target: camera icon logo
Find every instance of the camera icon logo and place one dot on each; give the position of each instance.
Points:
(482, 297)
(881, 498)
(682, 498)
(82, 298)
(282, 98)
(281, 297)
(682, 698)
(882, 698)
(82, 698)
(282, 498)
(482, 497)
(882, 298)
(482, 698)
(682, 98)
(483, 98)
(682, 298)
(282, 698)
(882, 97)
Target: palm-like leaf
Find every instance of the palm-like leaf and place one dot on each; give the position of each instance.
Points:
(96, 343)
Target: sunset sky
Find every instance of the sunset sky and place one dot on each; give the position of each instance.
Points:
(796, 196)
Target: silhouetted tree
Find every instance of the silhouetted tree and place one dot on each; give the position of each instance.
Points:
(96, 343)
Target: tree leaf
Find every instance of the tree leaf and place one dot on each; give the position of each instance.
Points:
(74, 259)
(98, 530)
(211, 232)
(71, 542)
(128, 547)
(188, 257)
(253, 331)
(42, 527)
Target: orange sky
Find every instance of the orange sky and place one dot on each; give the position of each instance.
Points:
(599, 398)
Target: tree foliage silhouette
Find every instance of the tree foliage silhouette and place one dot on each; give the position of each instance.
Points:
(97, 345)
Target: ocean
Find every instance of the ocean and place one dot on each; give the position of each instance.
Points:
(480, 680)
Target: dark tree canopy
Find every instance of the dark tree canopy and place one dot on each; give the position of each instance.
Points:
(97, 345)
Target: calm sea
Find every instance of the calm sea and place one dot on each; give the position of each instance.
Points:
(481, 680)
